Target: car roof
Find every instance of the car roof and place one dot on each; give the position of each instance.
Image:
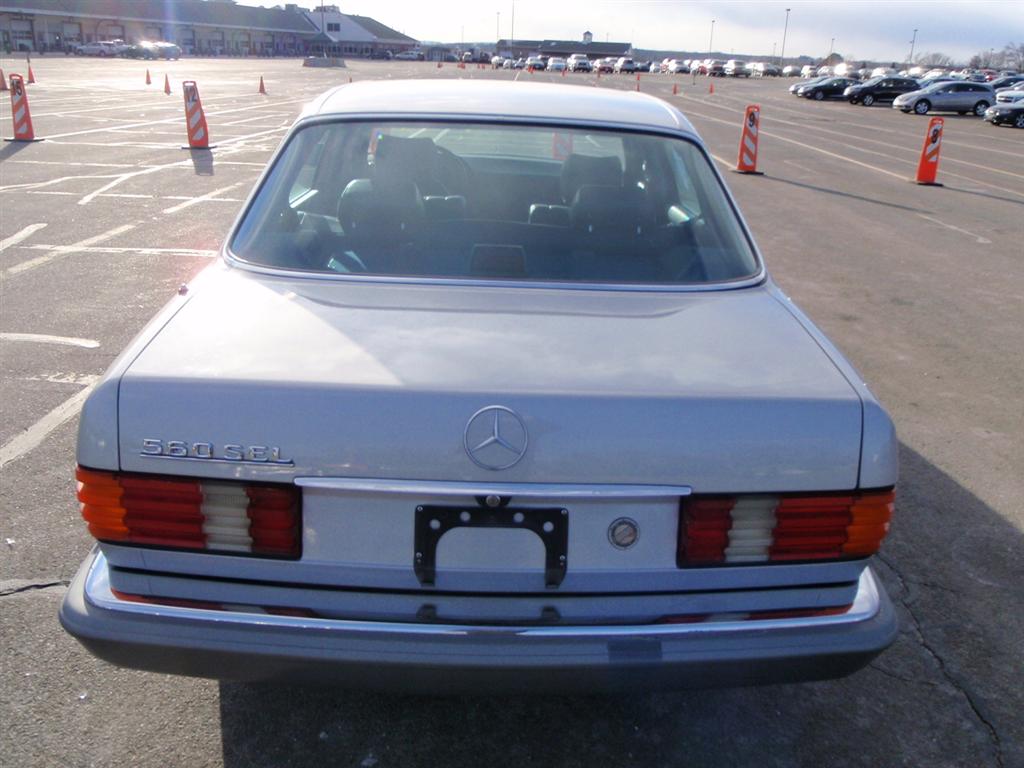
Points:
(494, 98)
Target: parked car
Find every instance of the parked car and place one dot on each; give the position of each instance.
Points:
(762, 69)
(624, 64)
(607, 64)
(1007, 81)
(409, 56)
(932, 79)
(535, 62)
(497, 62)
(677, 67)
(1011, 113)
(376, 480)
(712, 68)
(102, 49)
(153, 50)
(795, 88)
(808, 71)
(735, 68)
(828, 88)
(579, 62)
(556, 64)
(962, 97)
(1010, 95)
(880, 89)
(791, 70)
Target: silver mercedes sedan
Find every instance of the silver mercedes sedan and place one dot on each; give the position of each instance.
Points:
(489, 391)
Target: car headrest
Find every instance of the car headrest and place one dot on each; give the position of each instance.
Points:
(583, 170)
(397, 159)
(444, 207)
(365, 208)
(611, 209)
(550, 215)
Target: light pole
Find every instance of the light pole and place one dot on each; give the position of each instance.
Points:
(831, 47)
(913, 40)
(497, 29)
(785, 29)
(711, 38)
(773, 51)
(512, 40)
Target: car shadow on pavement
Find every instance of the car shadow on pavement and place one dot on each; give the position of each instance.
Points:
(947, 692)
(840, 193)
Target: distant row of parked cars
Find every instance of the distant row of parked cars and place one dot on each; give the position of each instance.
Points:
(142, 50)
(1000, 101)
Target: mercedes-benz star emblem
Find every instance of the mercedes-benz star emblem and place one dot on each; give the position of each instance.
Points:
(495, 437)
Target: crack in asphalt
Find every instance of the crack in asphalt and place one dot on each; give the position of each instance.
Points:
(950, 678)
(34, 586)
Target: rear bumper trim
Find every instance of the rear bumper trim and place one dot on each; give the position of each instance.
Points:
(453, 657)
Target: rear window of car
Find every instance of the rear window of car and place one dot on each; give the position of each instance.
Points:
(494, 202)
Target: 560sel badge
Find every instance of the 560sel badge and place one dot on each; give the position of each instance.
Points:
(204, 451)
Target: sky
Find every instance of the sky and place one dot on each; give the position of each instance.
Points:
(863, 29)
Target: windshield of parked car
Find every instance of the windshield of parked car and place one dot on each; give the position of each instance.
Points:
(486, 201)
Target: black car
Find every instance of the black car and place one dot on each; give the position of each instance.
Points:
(884, 88)
(1006, 82)
(1010, 113)
(829, 88)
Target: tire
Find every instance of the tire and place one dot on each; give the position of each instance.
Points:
(922, 107)
(867, 100)
(980, 107)
(1018, 121)
(818, 95)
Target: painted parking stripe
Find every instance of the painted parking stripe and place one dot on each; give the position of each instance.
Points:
(61, 250)
(115, 250)
(202, 198)
(18, 237)
(43, 338)
(21, 444)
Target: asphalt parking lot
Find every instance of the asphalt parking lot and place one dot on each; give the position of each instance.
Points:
(921, 287)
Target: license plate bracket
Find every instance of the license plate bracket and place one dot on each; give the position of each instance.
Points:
(551, 525)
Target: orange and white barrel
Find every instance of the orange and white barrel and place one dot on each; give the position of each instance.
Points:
(195, 119)
(20, 114)
(928, 165)
(746, 162)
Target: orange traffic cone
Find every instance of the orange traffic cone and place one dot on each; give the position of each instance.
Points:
(3, 81)
(928, 165)
(167, 85)
(711, 87)
(263, 88)
(675, 89)
(195, 118)
(746, 162)
(149, 80)
(20, 114)
(31, 77)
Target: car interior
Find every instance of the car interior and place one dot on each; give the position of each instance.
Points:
(463, 202)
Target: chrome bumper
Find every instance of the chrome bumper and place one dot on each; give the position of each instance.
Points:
(481, 659)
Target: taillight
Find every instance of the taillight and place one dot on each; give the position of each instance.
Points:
(191, 513)
(783, 528)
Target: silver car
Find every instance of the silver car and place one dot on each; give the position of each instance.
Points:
(409, 433)
(959, 97)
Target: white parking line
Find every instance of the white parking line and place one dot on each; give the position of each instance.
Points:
(978, 238)
(200, 252)
(42, 338)
(21, 444)
(16, 238)
(200, 199)
(54, 251)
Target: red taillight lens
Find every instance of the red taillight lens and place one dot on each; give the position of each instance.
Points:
(788, 527)
(189, 513)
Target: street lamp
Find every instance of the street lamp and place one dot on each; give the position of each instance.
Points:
(913, 40)
(785, 29)
(497, 28)
(711, 39)
(831, 47)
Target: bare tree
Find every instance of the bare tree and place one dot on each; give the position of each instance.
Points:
(1013, 56)
(936, 59)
